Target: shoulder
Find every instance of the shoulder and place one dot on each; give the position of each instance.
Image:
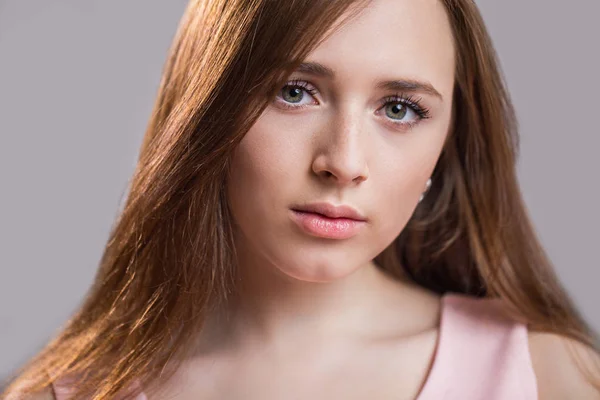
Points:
(46, 394)
(557, 362)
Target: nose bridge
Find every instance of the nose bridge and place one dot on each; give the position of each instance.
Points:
(346, 137)
(343, 154)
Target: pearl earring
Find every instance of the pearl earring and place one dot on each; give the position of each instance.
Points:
(427, 186)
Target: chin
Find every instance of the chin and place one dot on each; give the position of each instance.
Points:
(317, 267)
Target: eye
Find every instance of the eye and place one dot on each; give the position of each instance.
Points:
(397, 111)
(399, 106)
(292, 94)
(396, 107)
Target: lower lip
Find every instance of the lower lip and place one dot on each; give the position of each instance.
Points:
(325, 227)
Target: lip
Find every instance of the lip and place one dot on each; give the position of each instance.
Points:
(328, 221)
(331, 211)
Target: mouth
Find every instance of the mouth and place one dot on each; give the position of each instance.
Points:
(331, 211)
(328, 221)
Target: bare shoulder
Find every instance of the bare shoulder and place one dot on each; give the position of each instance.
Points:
(46, 394)
(557, 363)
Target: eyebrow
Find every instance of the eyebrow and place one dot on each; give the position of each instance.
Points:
(411, 85)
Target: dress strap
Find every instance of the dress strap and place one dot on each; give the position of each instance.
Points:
(481, 354)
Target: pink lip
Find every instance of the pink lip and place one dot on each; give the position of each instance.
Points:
(328, 221)
(331, 211)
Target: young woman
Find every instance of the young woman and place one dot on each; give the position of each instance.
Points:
(325, 207)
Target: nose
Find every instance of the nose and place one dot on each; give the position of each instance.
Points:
(341, 156)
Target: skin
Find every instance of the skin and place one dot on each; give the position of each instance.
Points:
(341, 148)
(318, 310)
(315, 318)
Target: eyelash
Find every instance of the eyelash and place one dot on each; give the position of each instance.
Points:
(410, 101)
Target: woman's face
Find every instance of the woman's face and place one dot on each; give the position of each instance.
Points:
(347, 139)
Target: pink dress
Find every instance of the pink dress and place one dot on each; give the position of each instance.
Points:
(480, 355)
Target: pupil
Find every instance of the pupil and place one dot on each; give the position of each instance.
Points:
(399, 110)
(294, 94)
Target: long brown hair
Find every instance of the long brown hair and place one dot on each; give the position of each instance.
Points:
(169, 258)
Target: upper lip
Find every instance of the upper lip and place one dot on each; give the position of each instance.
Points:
(332, 211)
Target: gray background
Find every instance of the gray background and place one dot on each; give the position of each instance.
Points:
(77, 83)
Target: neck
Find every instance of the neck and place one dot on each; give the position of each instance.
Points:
(274, 308)
(273, 304)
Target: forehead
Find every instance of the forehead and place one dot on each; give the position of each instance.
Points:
(392, 39)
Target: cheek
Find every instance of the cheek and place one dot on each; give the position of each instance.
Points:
(401, 176)
(396, 201)
(249, 181)
(264, 167)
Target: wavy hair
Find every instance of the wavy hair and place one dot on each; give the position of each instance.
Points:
(169, 258)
